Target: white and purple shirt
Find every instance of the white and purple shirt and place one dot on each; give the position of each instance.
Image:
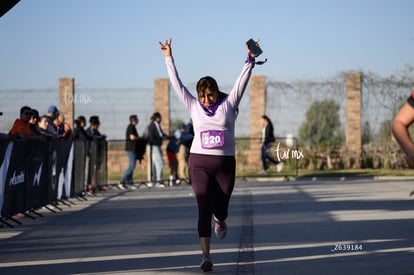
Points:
(213, 134)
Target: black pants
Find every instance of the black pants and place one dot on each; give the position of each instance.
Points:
(212, 179)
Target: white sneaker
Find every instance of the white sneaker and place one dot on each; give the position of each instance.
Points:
(160, 185)
(220, 228)
(121, 186)
(149, 184)
(280, 166)
(132, 187)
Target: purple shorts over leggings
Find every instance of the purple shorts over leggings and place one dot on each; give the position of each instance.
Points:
(212, 179)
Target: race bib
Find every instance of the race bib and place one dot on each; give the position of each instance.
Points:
(212, 139)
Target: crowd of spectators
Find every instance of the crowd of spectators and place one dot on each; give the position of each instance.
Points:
(31, 126)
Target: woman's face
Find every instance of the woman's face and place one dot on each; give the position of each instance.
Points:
(43, 123)
(207, 97)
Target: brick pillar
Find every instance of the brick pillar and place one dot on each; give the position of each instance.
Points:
(162, 102)
(67, 98)
(353, 116)
(162, 105)
(257, 109)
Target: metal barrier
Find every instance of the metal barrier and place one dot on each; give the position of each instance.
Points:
(248, 158)
(34, 175)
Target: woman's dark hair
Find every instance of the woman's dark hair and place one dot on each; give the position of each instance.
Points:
(80, 120)
(24, 109)
(207, 82)
(94, 120)
(265, 117)
(35, 114)
(155, 116)
(42, 117)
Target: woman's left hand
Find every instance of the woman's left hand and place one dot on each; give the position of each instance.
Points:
(248, 50)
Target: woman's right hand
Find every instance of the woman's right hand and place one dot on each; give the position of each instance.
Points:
(166, 48)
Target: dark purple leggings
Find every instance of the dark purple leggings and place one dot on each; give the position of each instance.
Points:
(212, 179)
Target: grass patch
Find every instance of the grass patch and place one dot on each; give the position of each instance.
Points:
(141, 175)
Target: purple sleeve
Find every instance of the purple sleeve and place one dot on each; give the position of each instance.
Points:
(241, 84)
(185, 96)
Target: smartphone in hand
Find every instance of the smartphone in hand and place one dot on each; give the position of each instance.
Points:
(254, 48)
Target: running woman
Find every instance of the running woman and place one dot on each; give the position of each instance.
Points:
(400, 124)
(211, 164)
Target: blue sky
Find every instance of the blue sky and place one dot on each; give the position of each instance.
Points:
(114, 44)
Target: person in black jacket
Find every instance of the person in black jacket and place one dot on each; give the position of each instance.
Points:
(267, 140)
(155, 139)
(130, 147)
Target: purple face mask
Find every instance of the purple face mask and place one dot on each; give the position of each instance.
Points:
(211, 110)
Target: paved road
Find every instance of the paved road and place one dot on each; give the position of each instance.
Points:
(329, 226)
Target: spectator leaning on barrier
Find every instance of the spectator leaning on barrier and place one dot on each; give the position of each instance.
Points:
(400, 125)
(80, 133)
(93, 130)
(21, 128)
(64, 129)
(131, 136)
(52, 114)
(94, 134)
(42, 128)
(33, 122)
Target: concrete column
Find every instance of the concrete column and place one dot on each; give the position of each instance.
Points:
(66, 99)
(257, 109)
(353, 116)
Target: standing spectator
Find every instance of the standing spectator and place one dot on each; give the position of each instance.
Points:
(155, 138)
(268, 139)
(185, 139)
(400, 125)
(21, 128)
(172, 150)
(132, 136)
(52, 114)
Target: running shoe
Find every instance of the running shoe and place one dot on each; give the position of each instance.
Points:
(206, 263)
(220, 228)
(280, 166)
(121, 186)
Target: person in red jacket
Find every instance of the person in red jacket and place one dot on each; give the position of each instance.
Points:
(21, 128)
